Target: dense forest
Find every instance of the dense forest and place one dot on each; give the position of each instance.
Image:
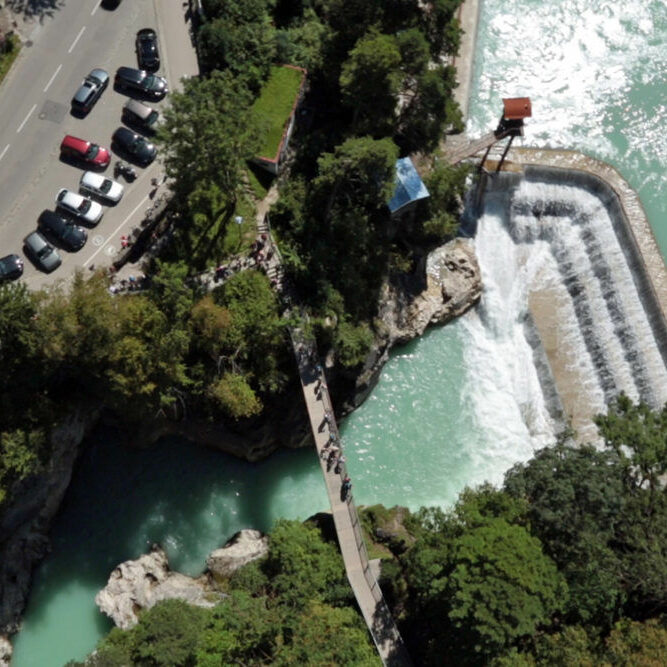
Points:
(565, 564)
(174, 350)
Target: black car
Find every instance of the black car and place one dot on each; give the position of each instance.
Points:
(11, 268)
(151, 85)
(147, 53)
(62, 232)
(90, 90)
(134, 146)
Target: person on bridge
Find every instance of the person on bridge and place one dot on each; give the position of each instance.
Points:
(333, 453)
(340, 462)
(345, 488)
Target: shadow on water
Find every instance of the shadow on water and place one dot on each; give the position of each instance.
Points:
(187, 498)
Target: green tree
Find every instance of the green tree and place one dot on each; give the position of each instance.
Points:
(255, 337)
(207, 137)
(147, 362)
(238, 36)
(477, 581)
(324, 635)
(638, 435)
(441, 26)
(638, 644)
(426, 113)
(240, 630)
(501, 587)
(352, 343)
(166, 636)
(576, 503)
(345, 233)
(235, 396)
(303, 567)
(370, 82)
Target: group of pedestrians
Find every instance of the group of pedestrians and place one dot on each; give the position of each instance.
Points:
(332, 453)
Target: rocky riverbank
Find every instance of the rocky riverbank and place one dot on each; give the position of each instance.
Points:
(25, 524)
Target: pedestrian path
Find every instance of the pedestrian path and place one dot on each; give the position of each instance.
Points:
(458, 148)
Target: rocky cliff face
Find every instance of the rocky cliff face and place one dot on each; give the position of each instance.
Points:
(139, 584)
(453, 285)
(25, 524)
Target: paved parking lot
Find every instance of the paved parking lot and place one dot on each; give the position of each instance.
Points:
(60, 48)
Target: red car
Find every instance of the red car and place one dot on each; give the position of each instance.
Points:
(81, 150)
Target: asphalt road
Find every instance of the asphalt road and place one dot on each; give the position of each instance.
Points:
(35, 115)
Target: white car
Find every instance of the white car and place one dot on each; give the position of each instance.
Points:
(81, 207)
(99, 185)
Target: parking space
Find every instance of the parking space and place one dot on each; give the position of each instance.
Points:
(37, 116)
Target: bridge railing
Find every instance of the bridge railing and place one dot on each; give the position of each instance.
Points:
(351, 506)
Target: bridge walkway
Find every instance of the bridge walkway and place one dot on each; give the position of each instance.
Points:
(359, 570)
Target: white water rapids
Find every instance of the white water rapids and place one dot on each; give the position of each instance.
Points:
(557, 240)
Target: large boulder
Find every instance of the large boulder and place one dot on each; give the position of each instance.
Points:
(453, 284)
(139, 584)
(5, 651)
(243, 548)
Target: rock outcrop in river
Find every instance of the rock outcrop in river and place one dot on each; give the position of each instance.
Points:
(139, 584)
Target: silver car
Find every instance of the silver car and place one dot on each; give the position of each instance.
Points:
(41, 252)
(80, 207)
(90, 90)
(95, 184)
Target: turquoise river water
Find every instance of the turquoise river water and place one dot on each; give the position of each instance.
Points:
(455, 408)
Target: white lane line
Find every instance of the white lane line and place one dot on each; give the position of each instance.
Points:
(25, 120)
(4, 151)
(138, 206)
(99, 2)
(78, 37)
(55, 74)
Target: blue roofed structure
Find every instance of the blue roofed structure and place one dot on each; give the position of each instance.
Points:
(409, 186)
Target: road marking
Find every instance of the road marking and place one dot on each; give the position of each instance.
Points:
(78, 37)
(25, 120)
(4, 151)
(55, 74)
(136, 208)
(99, 2)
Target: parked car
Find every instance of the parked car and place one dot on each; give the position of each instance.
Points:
(101, 186)
(134, 146)
(11, 267)
(42, 253)
(137, 114)
(80, 207)
(90, 90)
(151, 85)
(62, 232)
(81, 150)
(147, 52)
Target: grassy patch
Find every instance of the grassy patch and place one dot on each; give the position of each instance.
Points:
(274, 106)
(7, 59)
(239, 236)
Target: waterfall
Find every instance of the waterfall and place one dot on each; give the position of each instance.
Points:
(557, 241)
